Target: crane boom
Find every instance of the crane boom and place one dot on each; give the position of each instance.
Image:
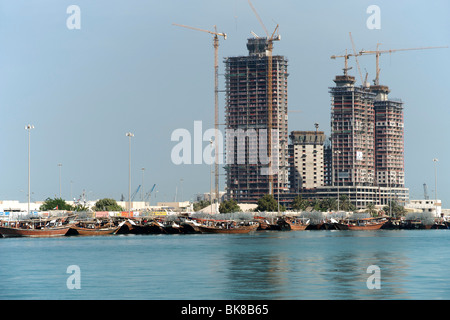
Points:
(395, 50)
(135, 192)
(259, 18)
(356, 58)
(379, 52)
(345, 56)
(224, 35)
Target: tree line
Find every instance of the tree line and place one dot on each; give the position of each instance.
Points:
(265, 203)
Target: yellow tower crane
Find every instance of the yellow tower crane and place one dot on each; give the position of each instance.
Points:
(345, 56)
(377, 54)
(216, 98)
(270, 40)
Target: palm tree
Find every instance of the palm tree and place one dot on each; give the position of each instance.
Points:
(370, 208)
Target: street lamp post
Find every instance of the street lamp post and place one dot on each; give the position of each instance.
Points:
(181, 189)
(210, 187)
(337, 152)
(29, 127)
(59, 165)
(435, 160)
(129, 135)
(142, 189)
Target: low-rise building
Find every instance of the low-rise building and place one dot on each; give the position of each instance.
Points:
(425, 205)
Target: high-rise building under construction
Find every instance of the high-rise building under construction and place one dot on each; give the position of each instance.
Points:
(367, 144)
(389, 140)
(352, 133)
(253, 135)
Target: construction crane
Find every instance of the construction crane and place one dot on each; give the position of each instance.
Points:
(270, 40)
(377, 54)
(216, 97)
(345, 56)
(148, 195)
(135, 193)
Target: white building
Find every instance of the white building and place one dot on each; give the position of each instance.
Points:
(433, 206)
(16, 206)
(306, 160)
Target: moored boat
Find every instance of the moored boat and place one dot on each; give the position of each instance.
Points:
(297, 224)
(171, 227)
(95, 231)
(265, 224)
(361, 224)
(96, 228)
(223, 226)
(43, 232)
(189, 226)
(142, 226)
(38, 228)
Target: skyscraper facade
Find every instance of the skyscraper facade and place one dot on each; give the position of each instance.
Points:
(352, 133)
(389, 139)
(367, 145)
(247, 124)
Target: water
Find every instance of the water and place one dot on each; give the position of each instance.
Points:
(414, 264)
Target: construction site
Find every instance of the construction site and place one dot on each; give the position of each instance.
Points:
(362, 158)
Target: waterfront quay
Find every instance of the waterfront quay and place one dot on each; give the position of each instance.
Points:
(102, 223)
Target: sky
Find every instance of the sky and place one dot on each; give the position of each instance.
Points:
(128, 69)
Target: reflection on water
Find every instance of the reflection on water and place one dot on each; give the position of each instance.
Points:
(309, 265)
(261, 265)
(256, 276)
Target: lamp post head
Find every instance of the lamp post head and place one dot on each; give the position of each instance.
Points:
(129, 134)
(29, 127)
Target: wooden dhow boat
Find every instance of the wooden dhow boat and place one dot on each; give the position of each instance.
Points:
(265, 224)
(95, 228)
(43, 232)
(143, 226)
(297, 224)
(190, 226)
(95, 231)
(53, 228)
(361, 224)
(225, 226)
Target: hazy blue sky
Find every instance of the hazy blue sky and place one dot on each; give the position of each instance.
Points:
(129, 69)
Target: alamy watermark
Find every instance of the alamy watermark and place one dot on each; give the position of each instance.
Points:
(74, 20)
(374, 280)
(74, 280)
(374, 20)
(243, 146)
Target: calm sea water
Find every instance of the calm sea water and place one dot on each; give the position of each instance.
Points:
(413, 264)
